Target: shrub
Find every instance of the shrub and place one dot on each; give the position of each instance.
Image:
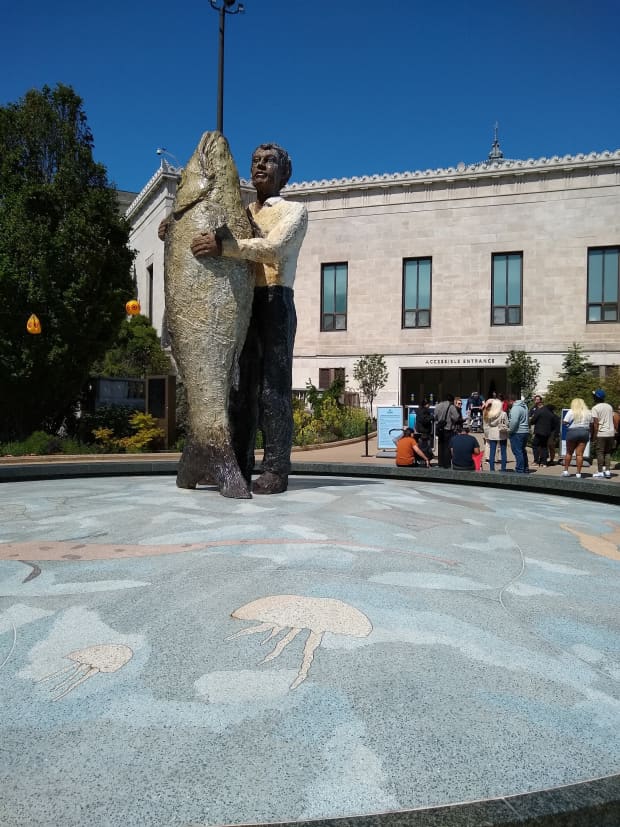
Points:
(354, 423)
(70, 445)
(104, 437)
(115, 417)
(147, 435)
(41, 444)
(334, 422)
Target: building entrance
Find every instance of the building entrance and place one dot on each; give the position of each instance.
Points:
(426, 383)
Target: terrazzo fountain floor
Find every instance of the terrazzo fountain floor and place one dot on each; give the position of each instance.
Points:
(351, 646)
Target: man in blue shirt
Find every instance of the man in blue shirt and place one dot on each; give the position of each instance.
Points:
(462, 447)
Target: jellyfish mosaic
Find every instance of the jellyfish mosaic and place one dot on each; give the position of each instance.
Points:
(294, 613)
(106, 657)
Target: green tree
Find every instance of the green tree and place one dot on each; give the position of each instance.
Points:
(576, 362)
(137, 351)
(371, 374)
(522, 372)
(580, 385)
(63, 256)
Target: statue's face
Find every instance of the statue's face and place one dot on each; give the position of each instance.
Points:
(266, 172)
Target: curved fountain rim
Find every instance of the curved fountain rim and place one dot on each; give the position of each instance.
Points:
(133, 465)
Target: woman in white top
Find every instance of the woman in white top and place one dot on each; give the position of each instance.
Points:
(495, 424)
(579, 421)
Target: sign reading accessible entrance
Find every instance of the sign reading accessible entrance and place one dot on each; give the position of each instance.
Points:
(389, 418)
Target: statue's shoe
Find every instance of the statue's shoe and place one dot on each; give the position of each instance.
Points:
(270, 483)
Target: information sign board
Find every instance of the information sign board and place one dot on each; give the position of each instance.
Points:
(389, 418)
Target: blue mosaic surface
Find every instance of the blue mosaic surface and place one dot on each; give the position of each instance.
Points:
(352, 646)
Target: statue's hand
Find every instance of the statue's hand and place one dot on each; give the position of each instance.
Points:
(163, 228)
(206, 245)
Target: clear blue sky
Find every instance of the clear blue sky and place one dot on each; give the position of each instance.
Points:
(349, 87)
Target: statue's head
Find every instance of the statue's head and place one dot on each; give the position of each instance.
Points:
(271, 168)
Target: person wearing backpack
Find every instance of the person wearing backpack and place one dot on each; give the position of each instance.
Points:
(424, 419)
(447, 419)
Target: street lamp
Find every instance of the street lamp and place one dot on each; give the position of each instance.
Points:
(224, 7)
(165, 164)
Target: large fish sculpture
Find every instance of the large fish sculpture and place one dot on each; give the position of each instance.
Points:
(208, 306)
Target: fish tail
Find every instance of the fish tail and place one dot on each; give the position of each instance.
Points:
(200, 461)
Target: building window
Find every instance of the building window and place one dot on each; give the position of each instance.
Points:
(334, 296)
(327, 376)
(603, 277)
(507, 288)
(417, 292)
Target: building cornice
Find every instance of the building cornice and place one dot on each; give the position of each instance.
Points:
(462, 172)
(152, 185)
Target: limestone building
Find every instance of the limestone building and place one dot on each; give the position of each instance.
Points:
(442, 271)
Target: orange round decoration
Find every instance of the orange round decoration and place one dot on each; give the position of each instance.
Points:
(33, 325)
(133, 307)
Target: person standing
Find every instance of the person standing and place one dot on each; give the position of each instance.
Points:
(519, 431)
(496, 431)
(554, 436)
(458, 404)
(424, 428)
(537, 404)
(579, 421)
(603, 432)
(446, 418)
(543, 421)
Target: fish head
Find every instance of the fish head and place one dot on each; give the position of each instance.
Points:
(208, 173)
(214, 154)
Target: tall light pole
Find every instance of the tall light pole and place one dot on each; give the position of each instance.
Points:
(224, 7)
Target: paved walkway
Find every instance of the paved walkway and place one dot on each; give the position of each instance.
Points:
(352, 452)
(356, 453)
(352, 646)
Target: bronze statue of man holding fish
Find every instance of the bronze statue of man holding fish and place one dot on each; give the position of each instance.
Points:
(257, 367)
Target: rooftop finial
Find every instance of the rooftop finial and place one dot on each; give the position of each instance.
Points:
(496, 155)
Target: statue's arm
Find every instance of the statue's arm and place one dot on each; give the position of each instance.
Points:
(284, 237)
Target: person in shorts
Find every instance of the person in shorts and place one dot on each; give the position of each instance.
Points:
(579, 421)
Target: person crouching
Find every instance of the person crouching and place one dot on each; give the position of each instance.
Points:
(407, 449)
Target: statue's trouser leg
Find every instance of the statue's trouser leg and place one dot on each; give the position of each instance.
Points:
(277, 323)
(243, 405)
(264, 394)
